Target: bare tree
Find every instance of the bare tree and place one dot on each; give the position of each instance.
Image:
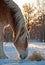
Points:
(28, 10)
(41, 6)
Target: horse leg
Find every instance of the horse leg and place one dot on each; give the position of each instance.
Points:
(2, 54)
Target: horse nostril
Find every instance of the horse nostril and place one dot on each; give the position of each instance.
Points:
(22, 57)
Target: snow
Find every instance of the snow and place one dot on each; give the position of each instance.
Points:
(20, 62)
(36, 46)
(10, 50)
(13, 54)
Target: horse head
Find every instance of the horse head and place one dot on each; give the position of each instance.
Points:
(21, 42)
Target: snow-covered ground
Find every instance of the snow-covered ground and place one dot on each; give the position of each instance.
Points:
(12, 53)
(36, 47)
(20, 62)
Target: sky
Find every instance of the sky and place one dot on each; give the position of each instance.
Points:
(21, 2)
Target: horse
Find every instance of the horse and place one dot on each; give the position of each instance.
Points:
(10, 13)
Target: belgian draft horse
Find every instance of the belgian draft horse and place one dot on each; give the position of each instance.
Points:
(11, 14)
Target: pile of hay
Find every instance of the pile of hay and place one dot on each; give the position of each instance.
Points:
(36, 56)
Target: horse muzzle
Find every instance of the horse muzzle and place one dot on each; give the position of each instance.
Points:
(23, 54)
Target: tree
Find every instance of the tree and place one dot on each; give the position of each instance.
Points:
(41, 19)
(28, 10)
(35, 19)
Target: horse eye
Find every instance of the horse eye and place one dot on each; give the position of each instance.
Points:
(22, 32)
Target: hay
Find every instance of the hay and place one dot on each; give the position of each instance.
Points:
(36, 56)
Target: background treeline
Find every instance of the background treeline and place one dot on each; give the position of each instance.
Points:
(35, 21)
